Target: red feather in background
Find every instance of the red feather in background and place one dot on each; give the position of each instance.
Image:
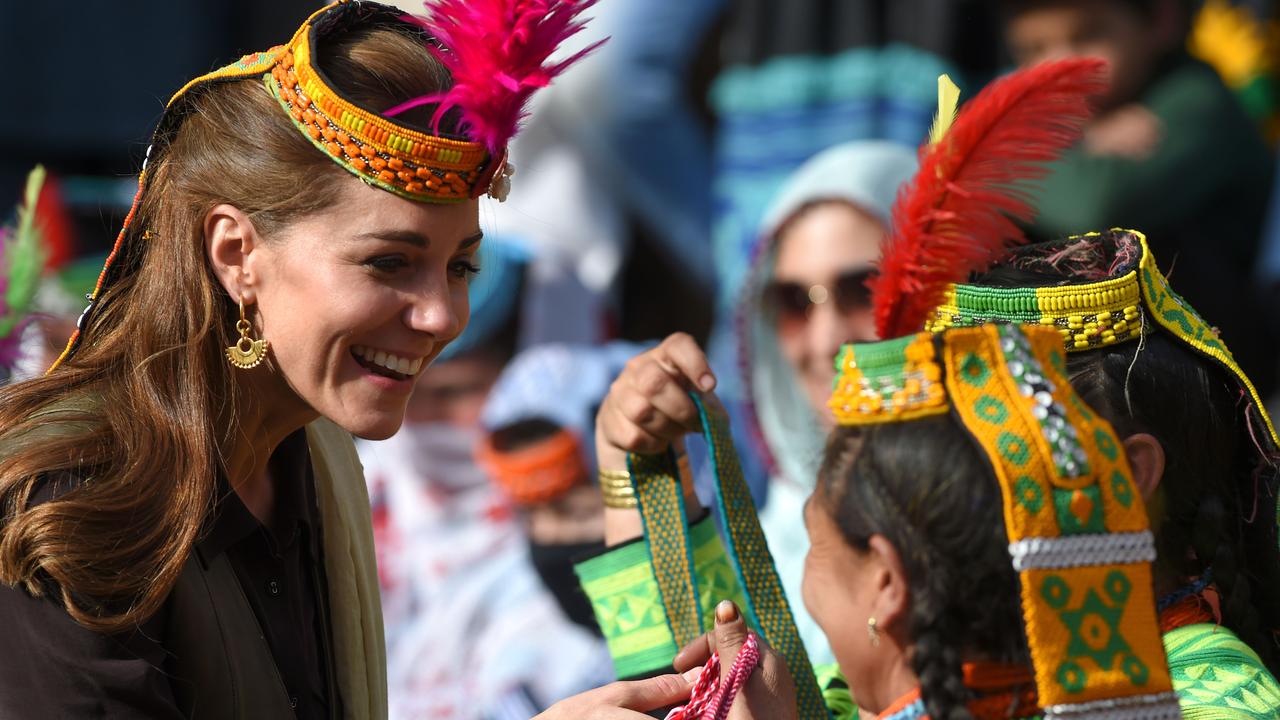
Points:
(958, 213)
(497, 52)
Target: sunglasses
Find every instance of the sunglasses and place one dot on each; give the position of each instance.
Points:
(791, 302)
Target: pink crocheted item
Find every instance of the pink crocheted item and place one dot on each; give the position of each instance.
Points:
(712, 699)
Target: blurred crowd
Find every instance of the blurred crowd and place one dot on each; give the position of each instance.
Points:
(722, 168)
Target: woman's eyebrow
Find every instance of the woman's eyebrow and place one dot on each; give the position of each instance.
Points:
(406, 236)
(417, 239)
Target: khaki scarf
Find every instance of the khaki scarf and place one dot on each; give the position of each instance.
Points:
(355, 606)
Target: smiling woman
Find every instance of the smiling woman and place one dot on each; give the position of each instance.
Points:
(184, 528)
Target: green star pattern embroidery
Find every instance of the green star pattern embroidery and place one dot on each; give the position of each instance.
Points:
(1095, 630)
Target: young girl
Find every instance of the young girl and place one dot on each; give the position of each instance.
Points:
(978, 546)
(1203, 448)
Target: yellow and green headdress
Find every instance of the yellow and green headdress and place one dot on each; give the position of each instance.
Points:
(1110, 291)
(1077, 529)
(496, 52)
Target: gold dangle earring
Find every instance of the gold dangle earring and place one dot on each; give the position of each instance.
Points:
(873, 632)
(247, 352)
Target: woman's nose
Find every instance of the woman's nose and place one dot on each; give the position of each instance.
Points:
(438, 311)
(827, 331)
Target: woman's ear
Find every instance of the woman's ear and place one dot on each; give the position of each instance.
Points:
(892, 599)
(230, 239)
(1146, 457)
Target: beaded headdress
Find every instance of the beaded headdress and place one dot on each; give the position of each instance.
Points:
(1112, 292)
(1077, 528)
(496, 52)
(1078, 531)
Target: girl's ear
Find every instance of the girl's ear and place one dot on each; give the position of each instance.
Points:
(1146, 458)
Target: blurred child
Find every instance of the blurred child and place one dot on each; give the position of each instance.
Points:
(538, 448)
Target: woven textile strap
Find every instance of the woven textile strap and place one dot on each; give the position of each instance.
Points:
(658, 488)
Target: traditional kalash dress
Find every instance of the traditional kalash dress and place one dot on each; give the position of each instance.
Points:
(265, 624)
(1077, 529)
(1111, 291)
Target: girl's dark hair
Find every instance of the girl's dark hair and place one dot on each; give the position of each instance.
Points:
(926, 488)
(1216, 488)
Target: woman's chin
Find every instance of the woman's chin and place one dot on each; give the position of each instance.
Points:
(371, 426)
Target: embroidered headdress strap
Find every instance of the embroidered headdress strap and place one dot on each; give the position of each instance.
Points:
(1113, 292)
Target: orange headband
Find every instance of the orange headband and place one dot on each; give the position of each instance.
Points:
(539, 472)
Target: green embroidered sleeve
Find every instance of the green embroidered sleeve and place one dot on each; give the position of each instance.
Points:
(1218, 677)
(628, 606)
(835, 692)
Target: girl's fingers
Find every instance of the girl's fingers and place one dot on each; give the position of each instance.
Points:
(681, 354)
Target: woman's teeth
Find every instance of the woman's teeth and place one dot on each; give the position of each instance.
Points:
(394, 363)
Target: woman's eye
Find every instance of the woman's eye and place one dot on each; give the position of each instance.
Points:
(463, 269)
(387, 263)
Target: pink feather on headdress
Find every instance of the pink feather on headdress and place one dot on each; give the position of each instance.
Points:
(497, 51)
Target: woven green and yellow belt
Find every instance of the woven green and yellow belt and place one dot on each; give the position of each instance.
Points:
(661, 499)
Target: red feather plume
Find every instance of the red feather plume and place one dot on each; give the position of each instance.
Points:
(958, 213)
(497, 52)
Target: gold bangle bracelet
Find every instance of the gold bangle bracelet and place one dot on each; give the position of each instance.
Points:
(621, 502)
(616, 488)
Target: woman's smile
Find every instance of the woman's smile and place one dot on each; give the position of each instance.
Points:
(392, 364)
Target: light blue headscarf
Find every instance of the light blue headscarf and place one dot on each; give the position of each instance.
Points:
(558, 382)
(867, 174)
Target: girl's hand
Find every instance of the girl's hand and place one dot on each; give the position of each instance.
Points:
(769, 692)
(648, 406)
(648, 409)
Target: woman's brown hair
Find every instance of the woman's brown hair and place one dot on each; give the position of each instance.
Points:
(109, 465)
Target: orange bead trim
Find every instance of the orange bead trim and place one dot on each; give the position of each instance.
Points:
(1191, 610)
(399, 159)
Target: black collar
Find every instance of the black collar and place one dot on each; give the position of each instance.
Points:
(229, 521)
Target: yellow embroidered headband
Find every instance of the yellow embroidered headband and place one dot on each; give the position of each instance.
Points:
(496, 53)
(1077, 528)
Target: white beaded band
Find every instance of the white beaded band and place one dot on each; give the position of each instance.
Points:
(1080, 550)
